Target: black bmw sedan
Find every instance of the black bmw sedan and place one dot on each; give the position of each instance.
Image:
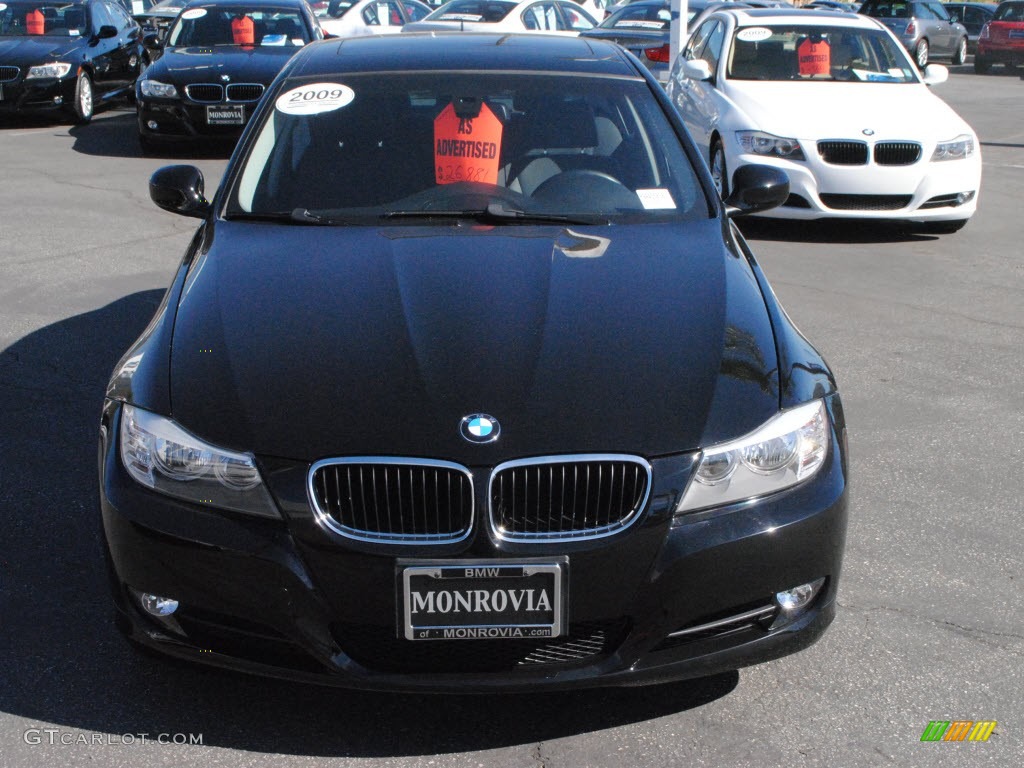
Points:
(468, 381)
(67, 56)
(217, 60)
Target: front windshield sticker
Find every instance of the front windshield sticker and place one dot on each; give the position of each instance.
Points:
(815, 57)
(195, 13)
(467, 148)
(74, 33)
(314, 99)
(460, 17)
(656, 199)
(640, 24)
(274, 40)
(754, 34)
(3, 6)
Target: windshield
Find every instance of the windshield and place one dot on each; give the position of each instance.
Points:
(818, 53)
(488, 11)
(237, 25)
(1010, 12)
(360, 148)
(20, 19)
(640, 17)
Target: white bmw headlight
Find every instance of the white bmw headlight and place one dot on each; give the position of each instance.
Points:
(57, 69)
(955, 149)
(761, 143)
(786, 450)
(154, 89)
(161, 455)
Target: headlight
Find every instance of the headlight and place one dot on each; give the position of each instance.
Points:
(956, 149)
(57, 69)
(761, 143)
(786, 450)
(154, 89)
(161, 455)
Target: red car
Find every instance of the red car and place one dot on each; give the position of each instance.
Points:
(1002, 39)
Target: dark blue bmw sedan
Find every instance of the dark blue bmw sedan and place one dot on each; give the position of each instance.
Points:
(468, 382)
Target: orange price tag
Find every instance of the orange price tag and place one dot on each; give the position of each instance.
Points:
(815, 58)
(467, 148)
(243, 30)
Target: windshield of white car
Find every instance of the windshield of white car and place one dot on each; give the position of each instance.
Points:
(801, 52)
(475, 11)
(424, 148)
(207, 26)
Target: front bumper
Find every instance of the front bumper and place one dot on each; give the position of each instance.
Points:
(1010, 54)
(184, 120)
(922, 192)
(287, 599)
(37, 95)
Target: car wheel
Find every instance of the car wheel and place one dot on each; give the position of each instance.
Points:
(718, 170)
(83, 107)
(944, 227)
(981, 65)
(921, 53)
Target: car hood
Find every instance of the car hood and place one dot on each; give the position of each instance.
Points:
(27, 51)
(309, 342)
(259, 64)
(830, 110)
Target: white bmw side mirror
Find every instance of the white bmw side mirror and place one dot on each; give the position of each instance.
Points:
(935, 74)
(697, 69)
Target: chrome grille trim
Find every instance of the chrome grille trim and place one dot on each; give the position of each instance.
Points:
(251, 91)
(407, 508)
(841, 152)
(615, 519)
(897, 152)
(205, 93)
(9, 74)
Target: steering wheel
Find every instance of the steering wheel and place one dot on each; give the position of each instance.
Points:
(587, 190)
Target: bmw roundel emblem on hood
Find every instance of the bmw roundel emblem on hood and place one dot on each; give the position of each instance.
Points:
(480, 428)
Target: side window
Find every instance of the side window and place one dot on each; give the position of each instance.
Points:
(415, 12)
(100, 16)
(938, 11)
(120, 16)
(574, 18)
(696, 44)
(713, 50)
(922, 11)
(541, 16)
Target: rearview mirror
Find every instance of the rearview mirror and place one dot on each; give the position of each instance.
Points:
(756, 188)
(179, 189)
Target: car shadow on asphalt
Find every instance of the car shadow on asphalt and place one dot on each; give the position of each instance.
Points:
(114, 134)
(66, 667)
(831, 231)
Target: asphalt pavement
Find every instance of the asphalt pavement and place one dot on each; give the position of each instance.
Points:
(925, 334)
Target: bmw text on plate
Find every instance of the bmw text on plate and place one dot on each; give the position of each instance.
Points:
(467, 381)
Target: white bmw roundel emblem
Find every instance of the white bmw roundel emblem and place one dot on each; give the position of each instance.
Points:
(480, 428)
(868, 132)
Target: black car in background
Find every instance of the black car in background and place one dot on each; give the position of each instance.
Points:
(66, 57)
(974, 16)
(643, 29)
(216, 60)
(468, 381)
(157, 18)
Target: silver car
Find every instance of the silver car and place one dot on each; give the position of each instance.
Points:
(924, 28)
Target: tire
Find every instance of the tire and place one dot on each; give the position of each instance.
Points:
(719, 171)
(921, 53)
(981, 65)
(944, 227)
(960, 54)
(82, 109)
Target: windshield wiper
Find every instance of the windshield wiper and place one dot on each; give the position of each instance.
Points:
(298, 216)
(497, 213)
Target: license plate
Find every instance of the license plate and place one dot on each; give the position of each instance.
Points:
(473, 600)
(1016, 34)
(225, 114)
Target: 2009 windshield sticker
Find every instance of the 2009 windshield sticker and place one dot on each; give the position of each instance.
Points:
(656, 199)
(314, 99)
(194, 13)
(467, 148)
(753, 34)
(3, 6)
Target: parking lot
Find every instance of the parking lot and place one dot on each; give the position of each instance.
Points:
(925, 334)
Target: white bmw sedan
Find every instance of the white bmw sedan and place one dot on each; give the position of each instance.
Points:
(555, 17)
(834, 100)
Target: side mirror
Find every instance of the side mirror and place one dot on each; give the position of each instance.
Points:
(697, 69)
(106, 32)
(756, 188)
(152, 39)
(179, 189)
(935, 74)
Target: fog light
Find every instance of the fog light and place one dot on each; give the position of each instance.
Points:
(964, 197)
(156, 605)
(58, 100)
(794, 600)
(152, 125)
